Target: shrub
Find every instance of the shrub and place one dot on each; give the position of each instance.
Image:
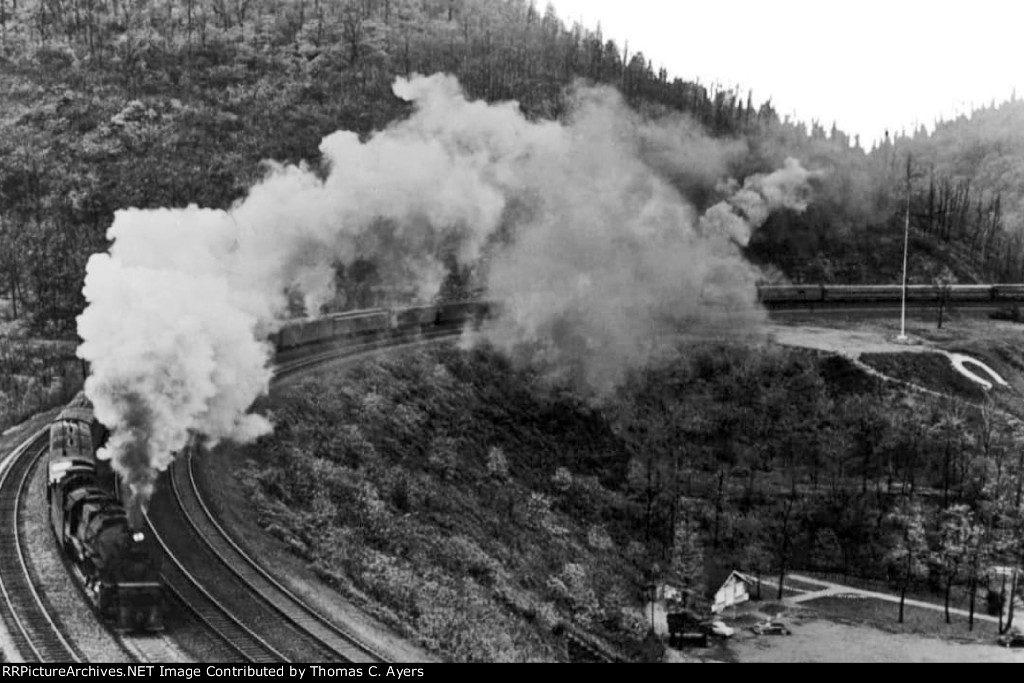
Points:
(562, 479)
(444, 457)
(497, 464)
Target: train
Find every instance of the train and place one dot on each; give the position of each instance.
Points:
(779, 295)
(375, 321)
(378, 321)
(115, 560)
(111, 557)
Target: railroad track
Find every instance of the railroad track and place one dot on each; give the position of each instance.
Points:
(185, 584)
(150, 649)
(359, 345)
(211, 575)
(344, 645)
(36, 634)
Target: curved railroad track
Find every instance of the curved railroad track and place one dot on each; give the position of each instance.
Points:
(187, 584)
(233, 597)
(342, 644)
(35, 633)
(151, 649)
(238, 600)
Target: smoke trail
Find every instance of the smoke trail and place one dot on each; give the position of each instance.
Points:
(747, 208)
(579, 228)
(615, 261)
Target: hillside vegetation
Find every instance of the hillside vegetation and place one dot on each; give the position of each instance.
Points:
(112, 104)
(477, 506)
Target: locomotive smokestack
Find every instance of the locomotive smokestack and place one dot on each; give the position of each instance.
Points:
(135, 510)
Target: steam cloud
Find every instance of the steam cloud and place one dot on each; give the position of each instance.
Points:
(580, 230)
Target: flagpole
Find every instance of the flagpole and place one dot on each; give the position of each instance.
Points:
(906, 251)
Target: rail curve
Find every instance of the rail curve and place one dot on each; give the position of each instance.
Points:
(36, 633)
(224, 586)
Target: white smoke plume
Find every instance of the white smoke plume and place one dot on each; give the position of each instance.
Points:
(579, 231)
(615, 261)
(747, 208)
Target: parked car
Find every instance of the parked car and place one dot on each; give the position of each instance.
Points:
(683, 639)
(717, 627)
(771, 628)
(686, 629)
(1015, 639)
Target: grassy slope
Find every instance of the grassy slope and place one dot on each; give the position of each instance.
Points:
(929, 370)
(881, 614)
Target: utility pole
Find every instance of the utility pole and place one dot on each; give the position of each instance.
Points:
(906, 251)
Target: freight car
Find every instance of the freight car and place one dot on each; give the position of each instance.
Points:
(778, 295)
(863, 293)
(112, 559)
(1008, 292)
(377, 321)
(463, 312)
(301, 333)
(790, 293)
(971, 293)
(416, 316)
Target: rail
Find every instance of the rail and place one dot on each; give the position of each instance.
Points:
(36, 633)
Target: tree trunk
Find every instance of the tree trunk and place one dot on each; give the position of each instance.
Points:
(1002, 604)
(974, 594)
(945, 474)
(718, 509)
(903, 596)
(949, 588)
(783, 546)
(650, 501)
(1013, 596)
(906, 582)
(1020, 476)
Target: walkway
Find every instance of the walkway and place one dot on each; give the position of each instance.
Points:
(835, 589)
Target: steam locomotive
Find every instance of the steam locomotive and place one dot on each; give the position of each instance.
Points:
(112, 559)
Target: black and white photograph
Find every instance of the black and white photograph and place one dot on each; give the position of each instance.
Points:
(367, 338)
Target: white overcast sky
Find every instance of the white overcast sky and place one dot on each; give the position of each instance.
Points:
(869, 66)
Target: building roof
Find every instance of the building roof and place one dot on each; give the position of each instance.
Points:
(739, 577)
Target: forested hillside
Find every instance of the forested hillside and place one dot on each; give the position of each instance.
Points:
(477, 506)
(112, 104)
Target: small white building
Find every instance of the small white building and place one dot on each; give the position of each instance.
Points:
(735, 590)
